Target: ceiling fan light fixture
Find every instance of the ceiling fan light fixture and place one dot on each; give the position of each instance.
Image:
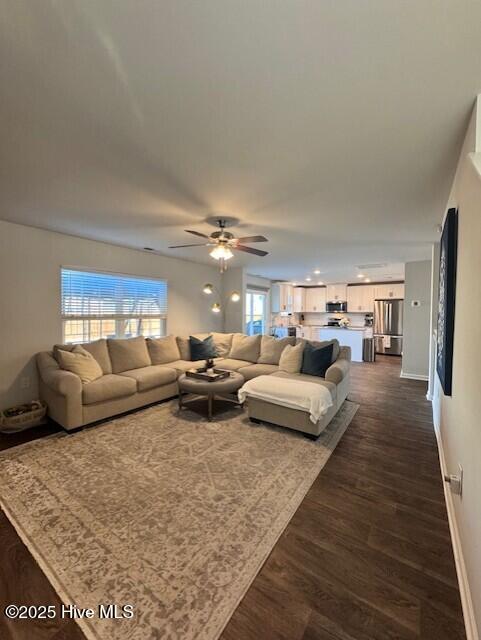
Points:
(221, 252)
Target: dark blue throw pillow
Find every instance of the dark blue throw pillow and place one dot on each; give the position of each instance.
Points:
(202, 349)
(316, 360)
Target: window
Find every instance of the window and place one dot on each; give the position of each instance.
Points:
(106, 305)
(256, 310)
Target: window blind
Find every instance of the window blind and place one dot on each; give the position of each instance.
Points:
(90, 294)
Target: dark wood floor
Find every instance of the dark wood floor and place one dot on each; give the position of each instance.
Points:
(367, 556)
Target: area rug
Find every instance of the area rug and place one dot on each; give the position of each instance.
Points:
(170, 514)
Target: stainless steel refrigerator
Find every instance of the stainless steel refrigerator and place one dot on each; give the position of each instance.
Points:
(388, 326)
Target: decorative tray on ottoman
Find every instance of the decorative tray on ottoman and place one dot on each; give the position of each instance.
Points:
(208, 375)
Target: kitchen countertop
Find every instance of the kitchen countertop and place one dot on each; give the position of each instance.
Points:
(323, 326)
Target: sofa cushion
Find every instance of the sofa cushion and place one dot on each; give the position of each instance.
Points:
(254, 370)
(98, 349)
(151, 377)
(184, 344)
(291, 358)
(316, 360)
(202, 349)
(302, 376)
(80, 362)
(223, 343)
(107, 388)
(129, 353)
(245, 347)
(163, 350)
(232, 364)
(271, 349)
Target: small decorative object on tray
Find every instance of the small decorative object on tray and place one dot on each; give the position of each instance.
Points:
(209, 363)
(24, 416)
(208, 375)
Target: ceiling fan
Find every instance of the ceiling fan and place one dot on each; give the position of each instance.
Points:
(223, 242)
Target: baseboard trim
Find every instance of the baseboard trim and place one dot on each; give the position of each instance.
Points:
(413, 376)
(464, 590)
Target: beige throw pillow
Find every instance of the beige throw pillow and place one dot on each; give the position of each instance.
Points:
(271, 349)
(80, 362)
(98, 349)
(245, 347)
(163, 350)
(291, 358)
(223, 343)
(128, 353)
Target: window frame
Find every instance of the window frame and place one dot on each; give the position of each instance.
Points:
(120, 319)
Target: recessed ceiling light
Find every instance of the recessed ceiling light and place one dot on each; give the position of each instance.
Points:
(320, 282)
(308, 279)
(294, 284)
(317, 271)
(360, 275)
(367, 279)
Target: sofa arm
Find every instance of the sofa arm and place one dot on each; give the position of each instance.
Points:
(60, 381)
(61, 390)
(63, 382)
(338, 371)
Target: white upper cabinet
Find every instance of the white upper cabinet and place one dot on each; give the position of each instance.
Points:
(299, 299)
(315, 299)
(336, 293)
(360, 298)
(286, 297)
(386, 291)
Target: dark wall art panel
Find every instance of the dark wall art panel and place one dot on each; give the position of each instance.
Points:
(447, 295)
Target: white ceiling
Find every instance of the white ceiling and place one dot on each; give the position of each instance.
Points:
(331, 127)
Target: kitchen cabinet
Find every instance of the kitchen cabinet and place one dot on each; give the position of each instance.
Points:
(386, 291)
(315, 299)
(360, 298)
(286, 294)
(299, 299)
(336, 292)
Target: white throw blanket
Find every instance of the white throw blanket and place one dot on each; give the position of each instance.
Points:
(310, 397)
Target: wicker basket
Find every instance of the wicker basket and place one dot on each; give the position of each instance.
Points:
(31, 417)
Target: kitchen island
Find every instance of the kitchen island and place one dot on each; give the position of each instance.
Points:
(350, 337)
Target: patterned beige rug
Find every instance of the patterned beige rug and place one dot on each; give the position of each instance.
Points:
(174, 516)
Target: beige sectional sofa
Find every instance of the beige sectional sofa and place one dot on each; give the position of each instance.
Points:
(138, 372)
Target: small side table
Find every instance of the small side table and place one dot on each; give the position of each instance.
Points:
(220, 388)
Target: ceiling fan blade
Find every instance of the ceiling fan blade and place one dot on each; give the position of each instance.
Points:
(196, 233)
(180, 246)
(253, 239)
(256, 252)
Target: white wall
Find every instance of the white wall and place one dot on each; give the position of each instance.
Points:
(417, 320)
(457, 418)
(234, 280)
(30, 261)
